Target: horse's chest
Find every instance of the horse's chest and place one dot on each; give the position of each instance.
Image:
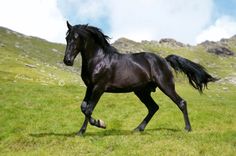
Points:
(93, 73)
(99, 68)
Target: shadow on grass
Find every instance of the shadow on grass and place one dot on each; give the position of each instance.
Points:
(163, 129)
(41, 135)
(104, 133)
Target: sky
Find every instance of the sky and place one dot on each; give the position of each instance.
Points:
(187, 21)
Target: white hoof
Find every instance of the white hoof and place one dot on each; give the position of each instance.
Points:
(102, 124)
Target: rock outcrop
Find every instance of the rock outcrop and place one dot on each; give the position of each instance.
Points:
(171, 42)
(219, 48)
(125, 45)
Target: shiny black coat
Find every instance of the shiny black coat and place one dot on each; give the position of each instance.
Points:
(104, 69)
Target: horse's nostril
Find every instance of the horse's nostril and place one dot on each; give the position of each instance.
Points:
(68, 62)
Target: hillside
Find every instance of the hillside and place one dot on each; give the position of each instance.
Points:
(26, 58)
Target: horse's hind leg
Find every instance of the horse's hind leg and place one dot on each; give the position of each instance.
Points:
(145, 97)
(168, 88)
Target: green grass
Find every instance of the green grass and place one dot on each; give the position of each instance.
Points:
(42, 120)
(40, 109)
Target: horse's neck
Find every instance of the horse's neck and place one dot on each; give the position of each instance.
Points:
(90, 54)
(90, 57)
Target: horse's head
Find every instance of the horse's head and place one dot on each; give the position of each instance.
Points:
(74, 45)
(85, 39)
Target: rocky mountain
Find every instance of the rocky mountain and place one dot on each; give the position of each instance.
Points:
(224, 47)
(125, 45)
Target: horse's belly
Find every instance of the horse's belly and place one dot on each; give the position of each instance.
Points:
(128, 77)
(125, 86)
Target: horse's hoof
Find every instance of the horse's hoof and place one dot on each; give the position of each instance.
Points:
(188, 129)
(80, 133)
(102, 124)
(138, 130)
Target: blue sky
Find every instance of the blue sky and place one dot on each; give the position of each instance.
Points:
(188, 21)
(227, 7)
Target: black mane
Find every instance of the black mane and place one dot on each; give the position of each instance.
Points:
(86, 31)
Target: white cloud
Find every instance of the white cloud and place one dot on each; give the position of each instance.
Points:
(83, 10)
(224, 27)
(34, 17)
(134, 19)
(155, 19)
(91, 9)
(145, 19)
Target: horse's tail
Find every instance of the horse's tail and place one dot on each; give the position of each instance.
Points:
(197, 75)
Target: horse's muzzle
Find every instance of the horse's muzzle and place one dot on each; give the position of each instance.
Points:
(68, 62)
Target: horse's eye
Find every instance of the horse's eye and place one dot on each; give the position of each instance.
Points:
(76, 35)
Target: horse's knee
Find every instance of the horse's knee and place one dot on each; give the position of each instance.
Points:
(183, 105)
(92, 121)
(84, 106)
(86, 109)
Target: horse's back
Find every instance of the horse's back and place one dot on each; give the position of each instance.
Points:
(158, 66)
(155, 62)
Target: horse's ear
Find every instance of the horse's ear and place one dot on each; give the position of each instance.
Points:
(68, 25)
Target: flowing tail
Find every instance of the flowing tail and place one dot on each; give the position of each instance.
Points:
(197, 75)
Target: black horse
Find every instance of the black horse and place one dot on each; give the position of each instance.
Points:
(104, 69)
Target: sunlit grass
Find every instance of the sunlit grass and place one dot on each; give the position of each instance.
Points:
(43, 120)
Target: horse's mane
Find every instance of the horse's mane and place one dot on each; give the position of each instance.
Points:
(86, 31)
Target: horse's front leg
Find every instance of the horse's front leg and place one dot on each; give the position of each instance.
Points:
(96, 94)
(84, 126)
(87, 108)
(83, 109)
(98, 123)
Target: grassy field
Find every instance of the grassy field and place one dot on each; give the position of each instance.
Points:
(40, 110)
(42, 120)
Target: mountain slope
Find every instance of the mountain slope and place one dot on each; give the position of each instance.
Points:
(32, 59)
